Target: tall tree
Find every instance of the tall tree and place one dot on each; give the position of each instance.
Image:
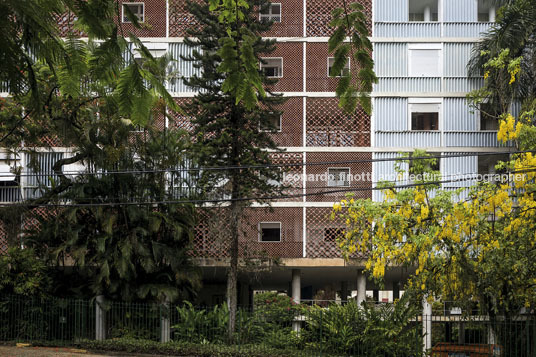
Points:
(227, 126)
(89, 99)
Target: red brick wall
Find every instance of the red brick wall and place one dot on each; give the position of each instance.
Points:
(155, 19)
(321, 185)
(292, 54)
(291, 24)
(328, 125)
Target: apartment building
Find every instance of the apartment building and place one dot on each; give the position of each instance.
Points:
(421, 49)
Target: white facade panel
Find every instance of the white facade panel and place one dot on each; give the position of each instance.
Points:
(408, 29)
(471, 139)
(181, 68)
(408, 84)
(458, 116)
(411, 139)
(460, 10)
(391, 59)
(456, 58)
(460, 170)
(462, 85)
(462, 29)
(390, 10)
(391, 114)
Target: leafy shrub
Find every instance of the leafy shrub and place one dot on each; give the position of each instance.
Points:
(368, 330)
(23, 273)
(200, 325)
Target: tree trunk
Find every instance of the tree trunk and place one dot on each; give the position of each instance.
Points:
(232, 276)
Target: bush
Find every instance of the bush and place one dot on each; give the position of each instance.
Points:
(200, 325)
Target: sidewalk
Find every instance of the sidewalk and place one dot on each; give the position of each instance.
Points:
(12, 351)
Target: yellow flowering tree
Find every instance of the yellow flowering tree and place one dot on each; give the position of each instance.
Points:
(482, 249)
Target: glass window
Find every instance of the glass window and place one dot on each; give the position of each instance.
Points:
(272, 67)
(345, 71)
(339, 177)
(423, 10)
(424, 116)
(272, 13)
(136, 8)
(272, 123)
(270, 231)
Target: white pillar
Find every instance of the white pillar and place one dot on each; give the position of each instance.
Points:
(100, 320)
(361, 287)
(492, 14)
(426, 324)
(296, 285)
(165, 325)
(491, 335)
(296, 296)
(427, 14)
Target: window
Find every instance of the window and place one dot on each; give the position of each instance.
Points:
(423, 10)
(424, 60)
(137, 8)
(272, 123)
(271, 13)
(331, 234)
(270, 231)
(339, 177)
(272, 67)
(345, 71)
(424, 116)
(486, 11)
(486, 164)
(9, 183)
(488, 117)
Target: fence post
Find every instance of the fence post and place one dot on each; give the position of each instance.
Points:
(426, 324)
(100, 319)
(165, 325)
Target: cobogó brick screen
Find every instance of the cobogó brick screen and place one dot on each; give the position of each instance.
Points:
(212, 234)
(360, 181)
(328, 125)
(319, 15)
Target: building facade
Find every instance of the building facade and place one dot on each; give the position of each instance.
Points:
(421, 51)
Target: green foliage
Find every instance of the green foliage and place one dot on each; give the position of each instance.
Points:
(201, 326)
(352, 88)
(22, 272)
(368, 330)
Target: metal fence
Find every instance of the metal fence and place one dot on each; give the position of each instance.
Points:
(312, 329)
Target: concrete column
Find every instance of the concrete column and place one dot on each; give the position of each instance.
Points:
(296, 296)
(100, 319)
(361, 287)
(426, 324)
(296, 285)
(492, 14)
(165, 325)
(344, 291)
(427, 14)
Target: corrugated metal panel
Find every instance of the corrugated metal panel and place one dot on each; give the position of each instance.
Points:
(413, 139)
(461, 29)
(459, 169)
(515, 109)
(385, 171)
(391, 59)
(456, 57)
(460, 10)
(458, 116)
(4, 87)
(182, 68)
(408, 84)
(462, 85)
(390, 10)
(412, 29)
(391, 114)
(471, 139)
